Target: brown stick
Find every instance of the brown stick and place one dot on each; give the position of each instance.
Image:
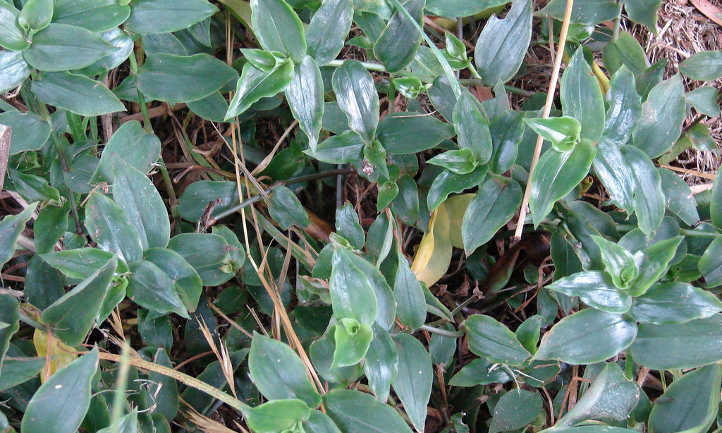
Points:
(547, 110)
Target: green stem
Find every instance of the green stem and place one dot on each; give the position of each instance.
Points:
(448, 70)
(699, 234)
(444, 332)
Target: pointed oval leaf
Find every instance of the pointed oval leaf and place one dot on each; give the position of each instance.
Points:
(356, 412)
(516, 409)
(352, 342)
(305, 98)
(414, 379)
(15, 70)
(30, 132)
(151, 288)
(108, 226)
(595, 290)
(185, 279)
(61, 47)
(207, 253)
(12, 36)
(166, 16)
(494, 341)
(130, 145)
(674, 303)
(625, 107)
(663, 113)
(352, 294)
(556, 175)
(502, 44)
(648, 199)
(256, 84)
(278, 28)
(36, 14)
(690, 404)
(563, 132)
(472, 128)
(94, 15)
(277, 416)
(76, 93)
(581, 96)
(286, 209)
(410, 300)
(278, 372)
(328, 29)
(357, 97)
(141, 202)
(319, 422)
(397, 44)
(710, 265)
(586, 337)
(60, 404)
(492, 207)
(703, 66)
(618, 262)
(381, 364)
(167, 77)
(407, 133)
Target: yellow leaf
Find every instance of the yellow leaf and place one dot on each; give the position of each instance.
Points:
(60, 354)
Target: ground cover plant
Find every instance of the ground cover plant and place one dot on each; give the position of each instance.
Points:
(358, 216)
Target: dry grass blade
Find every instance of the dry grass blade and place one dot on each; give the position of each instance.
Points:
(269, 157)
(229, 320)
(547, 109)
(222, 354)
(205, 424)
(5, 134)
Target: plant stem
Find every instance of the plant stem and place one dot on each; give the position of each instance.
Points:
(479, 82)
(699, 234)
(444, 332)
(547, 110)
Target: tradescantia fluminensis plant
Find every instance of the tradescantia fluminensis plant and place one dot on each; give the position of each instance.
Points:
(109, 281)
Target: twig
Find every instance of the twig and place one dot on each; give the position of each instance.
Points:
(547, 110)
(269, 157)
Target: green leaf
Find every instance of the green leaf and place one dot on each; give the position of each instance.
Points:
(286, 209)
(277, 416)
(167, 77)
(704, 100)
(516, 409)
(352, 293)
(348, 226)
(278, 372)
(563, 132)
(595, 290)
(207, 253)
(506, 131)
(612, 170)
(186, 281)
(60, 404)
(586, 337)
(461, 8)
(648, 197)
(61, 47)
(625, 51)
(710, 265)
(36, 14)
(339, 149)
(410, 300)
(10, 323)
(29, 132)
(582, 98)
(213, 107)
(611, 397)
(356, 412)
(687, 345)
(663, 113)
(357, 97)
(410, 132)
(472, 128)
(406, 203)
(556, 175)
(130, 145)
(703, 66)
(381, 364)
(166, 16)
(278, 28)
(198, 194)
(321, 353)
(15, 70)
(10, 229)
(49, 227)
(120, 47)
(690, 404)
(94, 15)
(136, 195)
(73, 315)
(352, 342)
(492, 207)
(397, 44)
(618, 262)
(494, 341)
(414, 379)
(108, 226)
(79, 264)
(655, 262)
(76, 93)
(643, 12)
(502, 44)
(450, 183)
(304, 95)
(584, 11)
(151, 288)
(528, 332)
(16, 372)
(319, 422)
(12, 36)
(388, 191)
(328, 29)
(674, 303)
(680, 200)
(461, 161)
(256, 84)
(479, 372)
